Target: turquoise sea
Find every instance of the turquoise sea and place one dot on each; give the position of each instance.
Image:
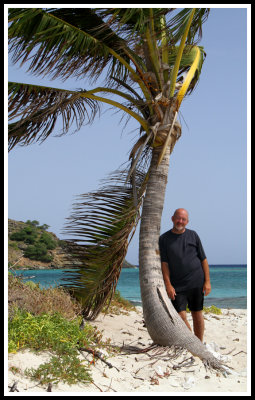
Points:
(229, 284)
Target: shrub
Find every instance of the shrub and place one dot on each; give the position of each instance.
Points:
(47, 332)
(40, 242)
(118, 305)
(66, 368)
(49, 319)
(29, 297)
(32, 223)
(13, 245)
(17, 236)
(28, 235)
(48, 241)
(56, 334)
(38, 252)
(44, 227)
(212, 309)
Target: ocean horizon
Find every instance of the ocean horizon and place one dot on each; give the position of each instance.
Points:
(229, 286)
(229, 283)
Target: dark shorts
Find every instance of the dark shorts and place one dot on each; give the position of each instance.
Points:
(193, 298)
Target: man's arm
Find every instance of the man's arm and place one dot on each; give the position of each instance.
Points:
(207, 284)
(166, 276)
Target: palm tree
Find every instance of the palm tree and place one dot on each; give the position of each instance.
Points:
(151, 60)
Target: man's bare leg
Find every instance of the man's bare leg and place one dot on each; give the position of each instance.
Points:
(183, 315)
(198, 324)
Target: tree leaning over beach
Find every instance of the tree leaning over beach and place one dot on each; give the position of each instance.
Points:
(151, 60)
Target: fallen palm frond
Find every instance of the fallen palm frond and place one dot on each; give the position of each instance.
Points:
(102, 223)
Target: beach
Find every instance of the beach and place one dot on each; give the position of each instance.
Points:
(160, 370)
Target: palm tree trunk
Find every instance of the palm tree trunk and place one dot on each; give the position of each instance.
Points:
(163, 323)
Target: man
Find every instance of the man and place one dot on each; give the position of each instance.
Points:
(185, 270)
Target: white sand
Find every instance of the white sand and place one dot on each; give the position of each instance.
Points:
(147, 373)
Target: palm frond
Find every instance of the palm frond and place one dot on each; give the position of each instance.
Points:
(39, 107)
(131, 22)
(60, 43)
(126, 86)
(187, 59)
(176, 25)
(87, 20)
(100, 228)
(192, 77)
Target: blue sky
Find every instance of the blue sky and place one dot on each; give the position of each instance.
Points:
(208, 167)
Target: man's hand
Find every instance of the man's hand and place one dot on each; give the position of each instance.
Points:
(207, 288)
(171, 292)
(166, 275)
(207, 284)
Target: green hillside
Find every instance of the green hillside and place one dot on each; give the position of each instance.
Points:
(31, 246)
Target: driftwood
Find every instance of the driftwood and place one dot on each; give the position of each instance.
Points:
(49, 388)
(97, 354)
(14, 387)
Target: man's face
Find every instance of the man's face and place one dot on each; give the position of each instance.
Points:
(180, 220)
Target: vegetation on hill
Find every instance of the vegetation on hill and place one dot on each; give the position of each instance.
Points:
(31, 246)
(39, 241)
